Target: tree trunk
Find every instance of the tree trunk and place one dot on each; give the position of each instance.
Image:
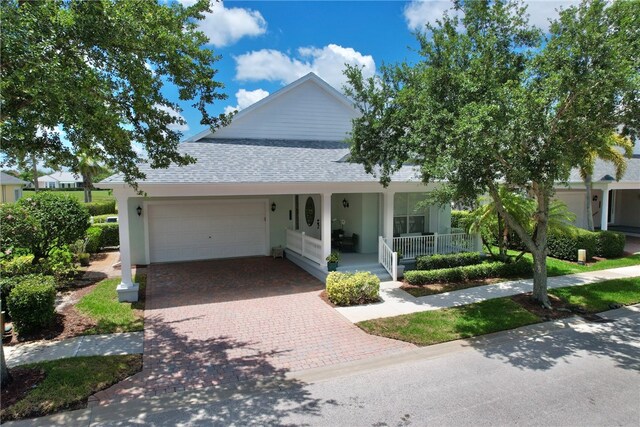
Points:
(588, 206)
(5, 376)
(86, 182)
(540, 278)
(34, 167)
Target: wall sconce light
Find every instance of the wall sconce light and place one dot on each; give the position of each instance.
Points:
(273, 207)
(345, 203)
(595, 198)
(139, 210)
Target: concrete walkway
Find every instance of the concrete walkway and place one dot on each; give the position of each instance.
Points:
(397, 302)
(89, 345)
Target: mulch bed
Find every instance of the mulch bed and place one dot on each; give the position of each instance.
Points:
(559, 309)
(69, 322)
(438, 288)
(24, 380)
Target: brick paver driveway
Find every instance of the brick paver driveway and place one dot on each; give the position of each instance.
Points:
(223, 321)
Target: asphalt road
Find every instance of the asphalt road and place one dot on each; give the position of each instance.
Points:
(579, 375)
(587, 374)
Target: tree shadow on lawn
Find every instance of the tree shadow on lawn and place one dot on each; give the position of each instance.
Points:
(537, 348)
(221, 381)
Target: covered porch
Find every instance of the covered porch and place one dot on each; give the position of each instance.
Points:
(372, 231)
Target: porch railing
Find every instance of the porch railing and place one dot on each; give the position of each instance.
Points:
(413, 246)
(308, 247)
(388, 258)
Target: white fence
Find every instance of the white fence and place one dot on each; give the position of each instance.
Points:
(388, 258)
(308, 247)
(413, 246)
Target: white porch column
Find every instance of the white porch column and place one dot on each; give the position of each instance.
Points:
(387, 215)
(325, 226)
(604, 211)
(127, 290)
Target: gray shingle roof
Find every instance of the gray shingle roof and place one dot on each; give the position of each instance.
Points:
(263, 161)
(5, 178)
(604, 171)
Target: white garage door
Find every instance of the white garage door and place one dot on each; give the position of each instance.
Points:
(206, 230)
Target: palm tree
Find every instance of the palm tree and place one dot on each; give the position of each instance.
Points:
(88, 167)
(615, 149)
(494, 230)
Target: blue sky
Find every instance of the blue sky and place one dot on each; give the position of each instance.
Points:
(268, 44)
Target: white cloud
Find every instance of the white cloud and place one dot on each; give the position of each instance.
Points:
(327, 62)
(173, 113)
(224, 26)
(420, 12)
(246, 98)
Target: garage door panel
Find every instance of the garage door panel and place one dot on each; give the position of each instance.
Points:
(219, 229)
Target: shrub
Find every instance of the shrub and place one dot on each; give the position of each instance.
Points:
(94, 239)
(17, 265)
(470, 272)
(6, 285)
(352, 288)
(102, 207)
(610, 244)
(461, 219)
(31, 303)
(110, 234)
(84, 259)
(59, 263)
(565, 244)
(431, 262)
(99, 219)
(42, 222)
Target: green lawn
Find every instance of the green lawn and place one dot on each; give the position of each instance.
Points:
(432, 327)
(597, 297)
(557, 267)
(96, 195)
(112, 316)
(69, 382)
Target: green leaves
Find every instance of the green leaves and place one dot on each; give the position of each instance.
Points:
(95, 70)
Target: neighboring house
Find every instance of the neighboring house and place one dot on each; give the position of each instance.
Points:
(279, 176)
(10, 188)
(60, 180)
(615, 204)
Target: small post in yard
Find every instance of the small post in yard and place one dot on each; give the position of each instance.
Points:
(582, 256)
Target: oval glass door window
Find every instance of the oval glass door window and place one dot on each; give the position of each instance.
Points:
(309, 211)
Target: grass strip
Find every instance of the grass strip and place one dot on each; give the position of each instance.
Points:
(431, 327)
(499, 314)
(68, 383)
(112, 316)
(597, 297)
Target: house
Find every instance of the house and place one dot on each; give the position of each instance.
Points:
(279, 176)
(10, 188)
(615, 204)
(60, 180)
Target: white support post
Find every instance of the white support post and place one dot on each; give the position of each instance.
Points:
(325, 226)
(127, 290)
(604, 211)
(387, 217)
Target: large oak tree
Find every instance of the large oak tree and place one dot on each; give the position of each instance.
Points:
(95, 70)
(495, 102)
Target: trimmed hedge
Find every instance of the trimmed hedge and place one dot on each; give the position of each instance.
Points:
(103, 207)
(565, 245)
(433, 262)
(461, 219)
(610, 244)
(6, 285)
(110, 234)
(485, 270)
(352, 288)
(94, 238)
(31, 303)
